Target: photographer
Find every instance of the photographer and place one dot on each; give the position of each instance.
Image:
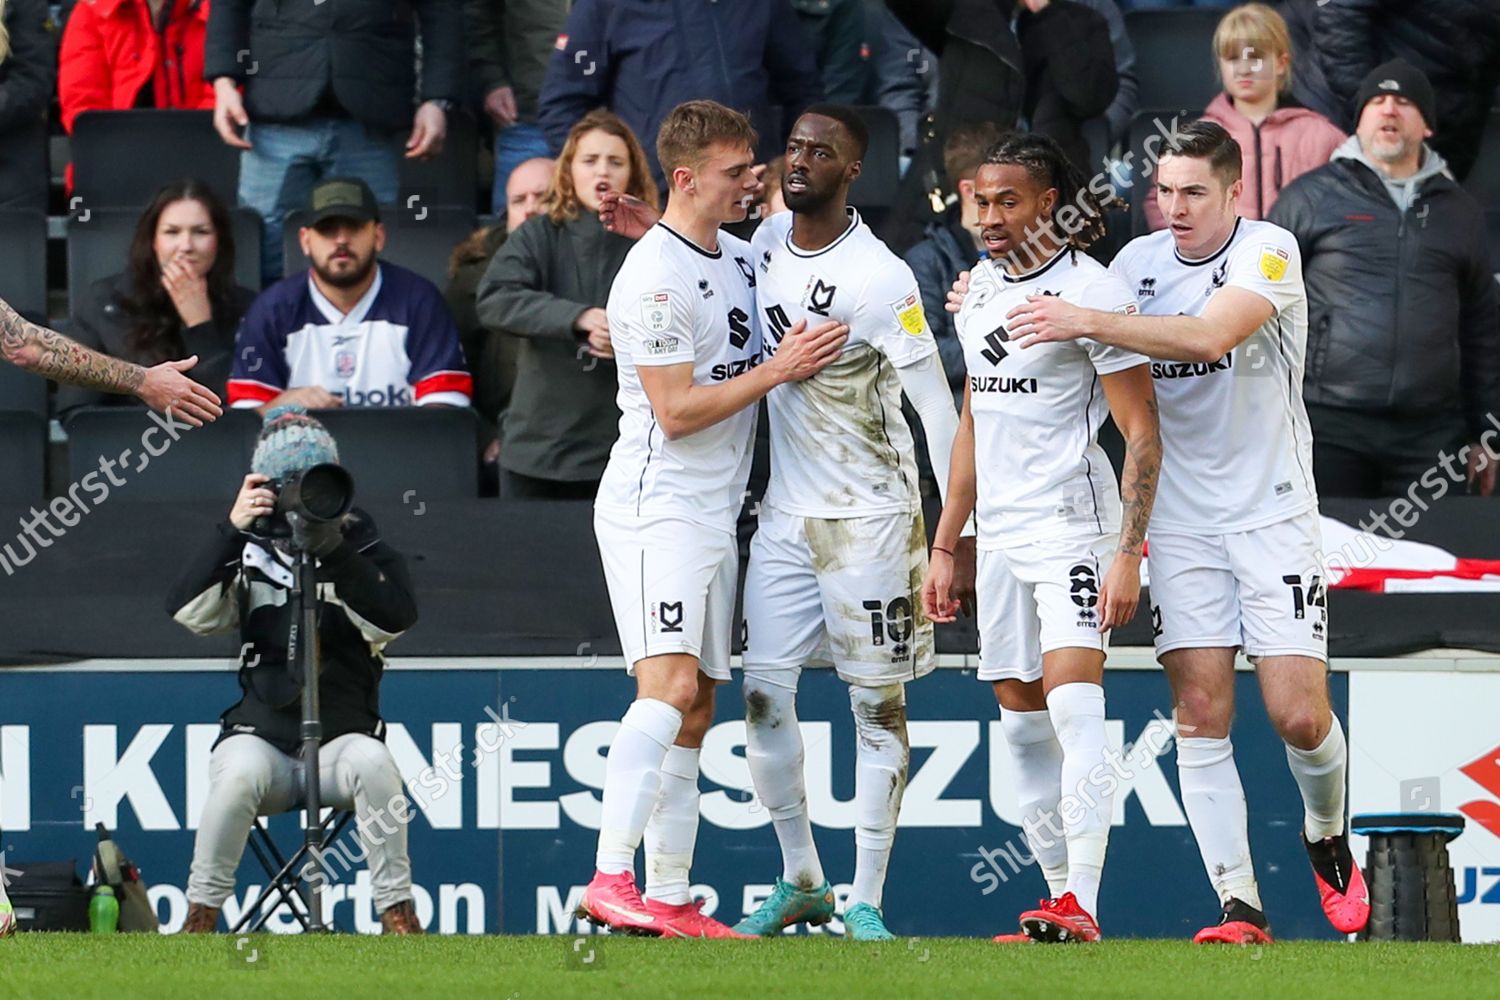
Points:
(242, 580)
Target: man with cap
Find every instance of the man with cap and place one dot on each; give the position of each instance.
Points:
(239, 582)
(353, 330)
(1403, 353)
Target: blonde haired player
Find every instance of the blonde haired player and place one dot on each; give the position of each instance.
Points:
(688, 352)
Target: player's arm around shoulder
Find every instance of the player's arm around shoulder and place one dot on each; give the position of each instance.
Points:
(1263, 277)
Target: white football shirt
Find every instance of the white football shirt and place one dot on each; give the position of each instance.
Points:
(1037, 412)
(839, 444)
(1236, 445)
(673, 303)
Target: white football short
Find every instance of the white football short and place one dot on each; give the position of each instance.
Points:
(1261, 590)
(1038, 597)
(671, 585)
(843, 591)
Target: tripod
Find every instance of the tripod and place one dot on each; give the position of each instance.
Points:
(302, 653)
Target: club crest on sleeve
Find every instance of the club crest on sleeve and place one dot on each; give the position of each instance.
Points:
(656, 311)
(910, 315)
(1273, 261)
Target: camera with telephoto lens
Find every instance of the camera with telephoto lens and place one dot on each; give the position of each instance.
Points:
(317, 495)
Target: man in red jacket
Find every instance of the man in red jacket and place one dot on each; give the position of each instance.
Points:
(121, 54)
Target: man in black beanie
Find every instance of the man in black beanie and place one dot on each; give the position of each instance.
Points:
(1403, 354)
(240, 582)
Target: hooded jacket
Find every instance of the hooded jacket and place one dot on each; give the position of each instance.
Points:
(1290, 141)
(1401, 298)
(240, 581)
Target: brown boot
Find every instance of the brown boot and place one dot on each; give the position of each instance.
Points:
(401, 919)
(200, 919)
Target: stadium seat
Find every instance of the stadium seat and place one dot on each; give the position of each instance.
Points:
(23, 284)
(1483, 181)
(880, 173)
(1142, 151)
(122, 158)
(99, 246)
(449, 179)
(420, 238)
(1174, 58)
(23, 456)
(205, 463)
(407, 455)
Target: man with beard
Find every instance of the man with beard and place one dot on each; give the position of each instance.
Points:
(836, 566)
(353, 331)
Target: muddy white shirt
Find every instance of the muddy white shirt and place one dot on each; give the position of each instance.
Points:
(1236, 445)
(839, 444)
(1040, 472)
(674, 302)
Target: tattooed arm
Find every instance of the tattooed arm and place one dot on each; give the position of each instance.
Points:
(49, 354)
(1132, 402)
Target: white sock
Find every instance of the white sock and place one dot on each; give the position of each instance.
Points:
(882, 754)
(672, 829)
(632, 781)
(1038, 759)
(1077, 712)
(773, 749)
(1320, 776)
(1215, 803)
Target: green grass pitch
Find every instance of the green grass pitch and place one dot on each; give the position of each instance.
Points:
(77, 966)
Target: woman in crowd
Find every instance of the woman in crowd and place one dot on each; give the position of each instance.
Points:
(548, 285)
(177, 296)
(1279, 139)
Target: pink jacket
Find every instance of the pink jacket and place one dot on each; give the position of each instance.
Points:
(1292, 141)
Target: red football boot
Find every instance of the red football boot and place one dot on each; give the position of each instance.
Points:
(1060, 920)
(689, 921)
(1341, 886)
(615, 902)
(1240, 923)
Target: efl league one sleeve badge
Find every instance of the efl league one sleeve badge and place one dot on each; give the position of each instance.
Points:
(656, 311)
(910, 314)
(1273, 261)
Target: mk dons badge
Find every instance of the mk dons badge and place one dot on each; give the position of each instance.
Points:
(1273, 261)
(656, 311)
(910, 314)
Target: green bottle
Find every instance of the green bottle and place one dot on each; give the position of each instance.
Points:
(104, 910)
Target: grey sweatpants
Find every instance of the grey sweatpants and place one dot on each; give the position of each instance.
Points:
(249, 777)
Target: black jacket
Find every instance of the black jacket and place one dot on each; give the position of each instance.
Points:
(562, 419)
(27, 79)
(947, 249)
(1455, 42)
(103, 325)
(365, 601)
(980, 69)
(297, 58)
(1070, 73)
(510, 43)
(1401, 306)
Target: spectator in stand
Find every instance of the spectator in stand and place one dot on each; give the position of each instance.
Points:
(328, 90)
(352, 330)
(774, 201)
(642, 60)
(492, 354)
(1456, 43)
(902, 77)
(838, 33)
(951, 244)
(1403, 346)
(510, 43)
(1158, 4)
(123, 54)
(1127, 99)
(27, 68)
(1279, 139)
(177, 296)
(548, 286)
(1070, 70)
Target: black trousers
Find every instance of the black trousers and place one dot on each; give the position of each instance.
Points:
(515, 486)
(1375, 454)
